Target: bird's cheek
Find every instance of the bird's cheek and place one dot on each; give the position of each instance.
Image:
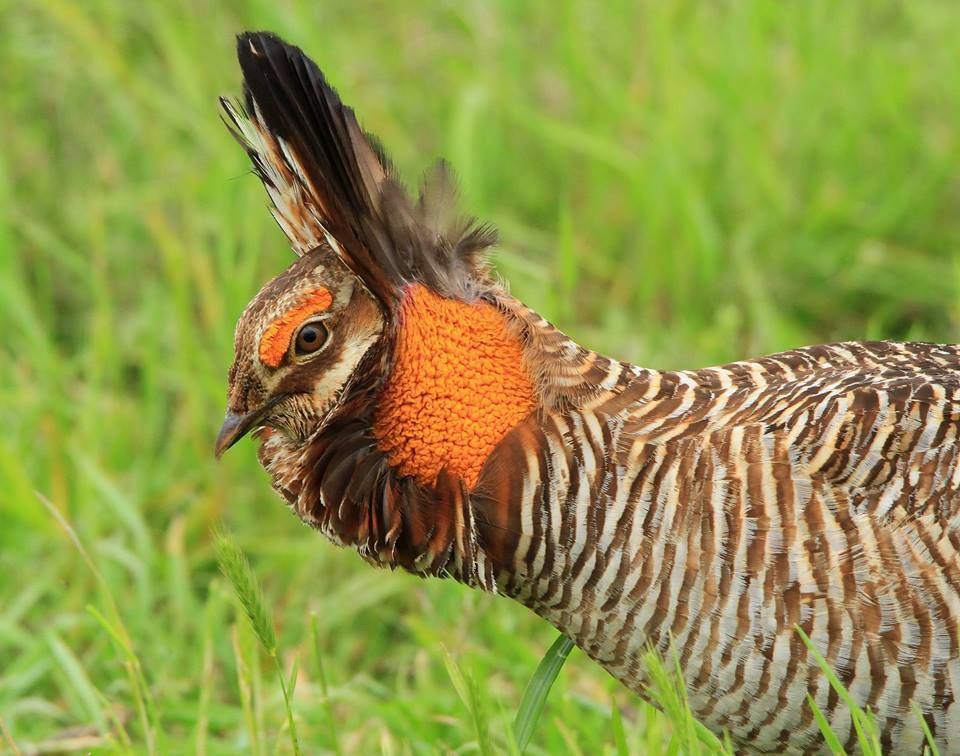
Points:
(322, 393)
(298, 418)
(321, 402)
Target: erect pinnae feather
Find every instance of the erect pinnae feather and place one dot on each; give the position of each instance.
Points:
(330, 182)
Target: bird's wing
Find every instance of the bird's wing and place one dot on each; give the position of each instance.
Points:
(890, 444)
(872, 424)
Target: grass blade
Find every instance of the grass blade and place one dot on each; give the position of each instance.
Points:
(321, 675)
(469, 692)
(930, 743)
(246, 687)
(616, 725)
(668, 692)
(203, 705)
(456, 677)
(84, 690)
(868, 738)
(118, 633)
(235, 566)
(535, 696)
(9, 738)
(829, 737)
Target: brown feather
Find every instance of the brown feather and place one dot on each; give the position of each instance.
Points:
(708, 511)
(330, 182)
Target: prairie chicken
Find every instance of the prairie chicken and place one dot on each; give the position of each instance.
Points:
(409, 408)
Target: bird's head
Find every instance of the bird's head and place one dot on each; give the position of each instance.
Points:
(322, 331)
(386, 368)
(297, 347)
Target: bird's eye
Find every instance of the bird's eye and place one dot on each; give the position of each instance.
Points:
(311, 337)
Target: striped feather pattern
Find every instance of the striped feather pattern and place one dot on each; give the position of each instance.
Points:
(706, 513)
(710, 512)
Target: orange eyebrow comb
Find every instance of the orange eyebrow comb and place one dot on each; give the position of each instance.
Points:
(276, 338)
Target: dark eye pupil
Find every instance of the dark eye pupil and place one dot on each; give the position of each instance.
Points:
(310, 338)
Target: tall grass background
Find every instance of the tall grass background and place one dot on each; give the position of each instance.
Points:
(676, 183)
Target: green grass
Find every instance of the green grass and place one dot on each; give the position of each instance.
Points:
(676, 183)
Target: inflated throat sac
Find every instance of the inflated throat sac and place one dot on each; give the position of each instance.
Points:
(458, 385)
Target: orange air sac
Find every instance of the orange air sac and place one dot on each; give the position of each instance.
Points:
(458, 385)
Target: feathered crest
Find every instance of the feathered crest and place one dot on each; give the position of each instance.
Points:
(331, 183)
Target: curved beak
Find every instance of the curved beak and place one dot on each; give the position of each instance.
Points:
(233, 429)
(237, 426)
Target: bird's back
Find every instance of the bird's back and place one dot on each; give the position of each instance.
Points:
(710, 512)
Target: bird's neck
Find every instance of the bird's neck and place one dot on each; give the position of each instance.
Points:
(459, 381)
(448, 439)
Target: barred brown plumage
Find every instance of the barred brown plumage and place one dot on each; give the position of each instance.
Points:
(705, 512)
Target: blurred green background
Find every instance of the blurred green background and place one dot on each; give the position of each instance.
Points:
(676, 183)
